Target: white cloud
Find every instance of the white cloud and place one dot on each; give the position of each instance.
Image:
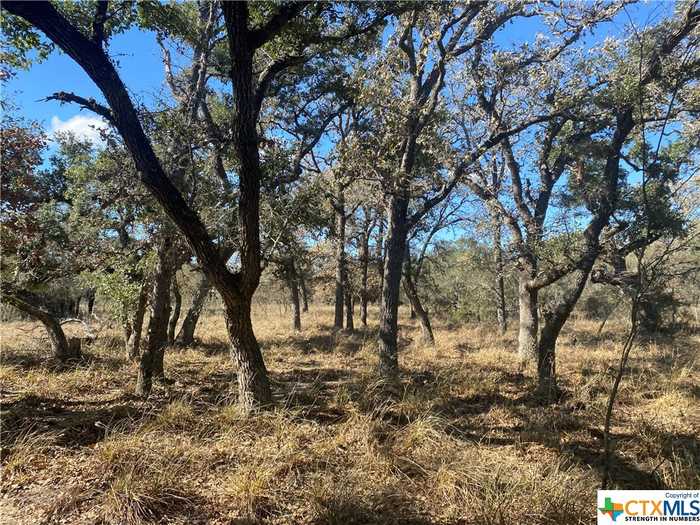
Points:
(83, 127)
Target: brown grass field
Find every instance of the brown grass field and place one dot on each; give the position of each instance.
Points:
(462, 441)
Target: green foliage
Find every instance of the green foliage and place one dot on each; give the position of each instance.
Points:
(119, 17)
(459, 280)
(171, 19)
(22, 45)
(117, 288)
(32, 227)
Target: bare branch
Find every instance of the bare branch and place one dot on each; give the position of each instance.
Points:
(87, 103)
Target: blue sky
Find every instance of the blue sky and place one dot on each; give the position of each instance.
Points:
(140, 64)
(137, 55)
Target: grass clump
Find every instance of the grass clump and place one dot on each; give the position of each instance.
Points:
(145, 496)
(457, 440)
(148, 476)
(28, 451)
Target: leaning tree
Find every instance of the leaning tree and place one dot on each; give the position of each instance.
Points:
(566, 181)
(425, 54)
(258, 53)
(37, 252)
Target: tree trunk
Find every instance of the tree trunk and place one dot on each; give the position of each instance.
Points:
(293, 283)
(554, 318)
(421, 314)
(411, 292)
(127, 328)
(395, 247)
(501, 312)
(364, 261)
(133, 341)
(176, 307)
(91, 57)
(380, 253)
(340, 270)
(527, 335)
(186, 335)
(90, 302)
(253, 385)
(304, 293)
(59, 344)
(296, 308)
(349, 311)
(151, 362)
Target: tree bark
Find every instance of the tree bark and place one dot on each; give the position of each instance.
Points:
(59, 344)
(340, 270)
(304, 293)
(395, 247)
(186, 335)
(90, 55)
(380, 252)
(90, 302)
(527, 303)
(292, 278)
(554, 318)
(499, 285)
(557, 315)
(133, 341)
(254, 388)
(364, 262)
(151, 361)
(296, 308)
(176, 307)
(411, 292)
(349, 311)
(253, 384)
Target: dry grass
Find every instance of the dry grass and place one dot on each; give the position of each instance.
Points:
(461, 441)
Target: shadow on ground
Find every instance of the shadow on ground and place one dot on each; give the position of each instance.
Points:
(68, 423)
(33, 361)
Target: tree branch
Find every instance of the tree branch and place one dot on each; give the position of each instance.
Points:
(92, 59)
(285, 14)
(87, 103)
(98, 22)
